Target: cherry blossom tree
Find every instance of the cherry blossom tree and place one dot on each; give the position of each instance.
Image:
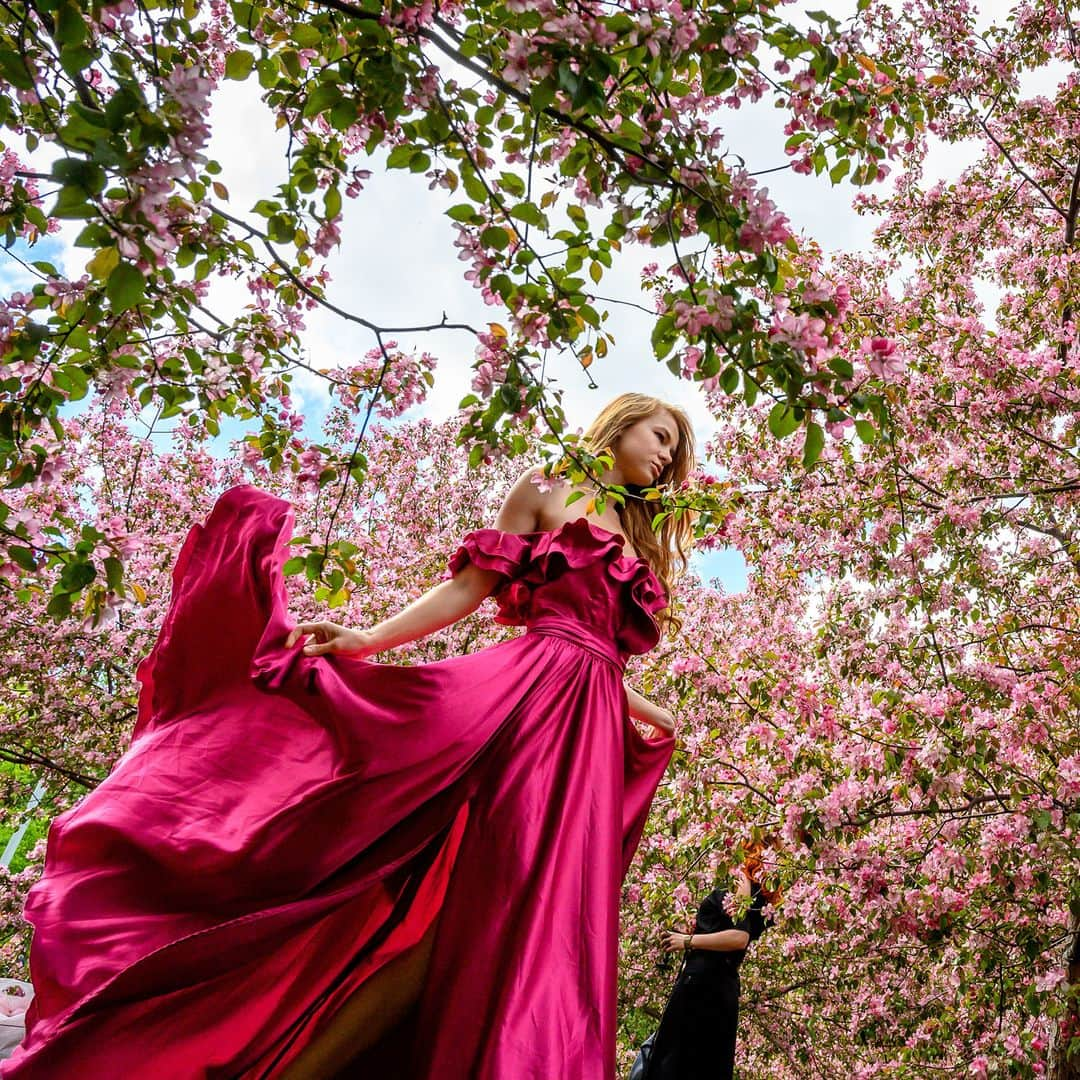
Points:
(562, 133)
(895, 696)
(926, 850)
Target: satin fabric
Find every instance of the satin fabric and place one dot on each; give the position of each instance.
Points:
(284, 826)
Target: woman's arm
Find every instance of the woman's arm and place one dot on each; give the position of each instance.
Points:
(644, 710)
(445, 604)
(438, 607)
(720, 941)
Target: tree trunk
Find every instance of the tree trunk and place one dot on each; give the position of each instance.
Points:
(1063, 1065)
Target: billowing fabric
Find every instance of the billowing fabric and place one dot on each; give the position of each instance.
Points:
(282, 827)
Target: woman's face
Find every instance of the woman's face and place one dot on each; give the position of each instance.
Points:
(645, 449)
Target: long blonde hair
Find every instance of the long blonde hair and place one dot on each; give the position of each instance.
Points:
(665, 551)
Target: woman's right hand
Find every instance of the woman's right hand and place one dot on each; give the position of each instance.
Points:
(329, 637)
(674, 940)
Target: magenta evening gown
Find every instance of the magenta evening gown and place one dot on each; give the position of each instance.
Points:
(284, 826)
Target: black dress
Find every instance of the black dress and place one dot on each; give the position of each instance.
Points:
(696, 1038)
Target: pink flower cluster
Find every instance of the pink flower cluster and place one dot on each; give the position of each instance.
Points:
(398, 379)
(155, 182)
(765, 226)
(489, 367)
(715, 309)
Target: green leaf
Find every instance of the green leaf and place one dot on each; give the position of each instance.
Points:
(343, 114)
(126, 287)
(840, 170)
(512, 184)
(23, 556)
(717, 80)
(866, 431)
(782, 421)
(71, 203)
(103, 263)
(72, 380)
(14, 69)
(114, 573)
(530, 214)
(294, 566)
(542, 95)
(815, 443)
(325, 96)
(70, 26)
(710, 366)
(473, 185)
(76, 58)
(238, 64)
(306, 36)
(399, 157)
(663, 336)
(494, 236)
(461, 212)
(86, 175)
(76, 575)
(313, 564)
(59, 606)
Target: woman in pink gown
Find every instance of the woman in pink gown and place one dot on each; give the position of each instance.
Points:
(308, 863)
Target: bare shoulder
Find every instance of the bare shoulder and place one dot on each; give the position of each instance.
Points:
(522, 510)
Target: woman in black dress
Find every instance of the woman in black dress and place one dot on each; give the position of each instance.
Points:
(696, 1037)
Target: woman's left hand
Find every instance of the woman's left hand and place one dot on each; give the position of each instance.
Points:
(674, 940)
(663, 723)
(645, 712)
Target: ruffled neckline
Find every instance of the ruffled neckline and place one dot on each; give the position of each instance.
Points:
(598, 531)
(529, 560)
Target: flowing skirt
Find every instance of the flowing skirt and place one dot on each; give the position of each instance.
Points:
(282, 828)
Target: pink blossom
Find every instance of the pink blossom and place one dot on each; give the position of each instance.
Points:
(881, 359)
(765, 226)
(804, 331)
(328, 237)
(545, 484)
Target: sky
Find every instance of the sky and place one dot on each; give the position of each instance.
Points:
(397, 266)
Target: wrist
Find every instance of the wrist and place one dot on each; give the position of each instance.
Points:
(663, 720)
(365, 642)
